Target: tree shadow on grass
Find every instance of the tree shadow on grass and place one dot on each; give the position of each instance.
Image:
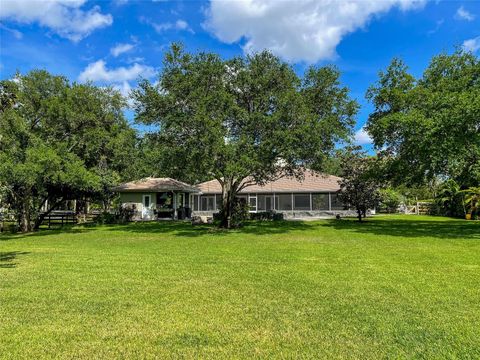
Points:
(7, 258)
(77, 229)
(411, 228)
(186, 229)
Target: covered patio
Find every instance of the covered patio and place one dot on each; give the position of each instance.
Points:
(157, 198)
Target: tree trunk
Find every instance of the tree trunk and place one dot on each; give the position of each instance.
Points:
(359, 212)
(24, 219)
(228, 195)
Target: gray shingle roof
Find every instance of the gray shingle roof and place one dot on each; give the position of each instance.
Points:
(155, 185)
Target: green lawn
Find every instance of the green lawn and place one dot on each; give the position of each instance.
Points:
(393, 287)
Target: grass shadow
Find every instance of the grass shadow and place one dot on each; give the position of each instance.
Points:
(7, 258)
(186, 229)
(71, 229)
(411, 227)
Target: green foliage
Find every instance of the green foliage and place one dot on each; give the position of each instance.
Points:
(242, 121)
(239, 213)
(360, 184)
(267, 215)
(449, 199)
(59, 141)
(390, 200)
(428, 128)
(122, 215)
(472, 201)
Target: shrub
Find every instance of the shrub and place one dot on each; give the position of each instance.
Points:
(240, 213)
(122, 215)
(266, 215)
(390, 200)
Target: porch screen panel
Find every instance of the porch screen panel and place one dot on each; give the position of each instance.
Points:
(211, 203)
(218, 199)
(195, 202)
(261, 203)
(301, 201)
(285, 202)
(336, 202)
(203, 203)
(320, 202)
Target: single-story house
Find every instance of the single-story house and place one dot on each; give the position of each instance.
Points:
(314, 196)
(154, 198)
(157, 198)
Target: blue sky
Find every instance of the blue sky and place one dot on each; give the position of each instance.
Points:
(114, 43)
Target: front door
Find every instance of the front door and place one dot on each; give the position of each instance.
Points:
(147, 212)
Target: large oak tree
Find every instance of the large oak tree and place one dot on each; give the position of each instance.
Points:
(245, 120)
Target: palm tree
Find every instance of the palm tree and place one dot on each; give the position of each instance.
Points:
(447, 195)
(472, 199)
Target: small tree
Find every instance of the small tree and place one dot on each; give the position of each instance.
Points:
(390, 199)
(359, 187)
(472, 200)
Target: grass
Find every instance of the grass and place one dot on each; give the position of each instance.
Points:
(393, 287)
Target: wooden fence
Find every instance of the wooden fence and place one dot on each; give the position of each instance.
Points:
(60, 218)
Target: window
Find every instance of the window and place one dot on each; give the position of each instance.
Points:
(320, 202)
(146, 201)
(207, 203)
(253, 203)
(284, 202)
(301, 201)
(265, 202)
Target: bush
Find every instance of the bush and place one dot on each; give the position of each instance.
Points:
(240, 213)
(390, 200)
(121, 216)
(125, 214)
(266, 215)
(106, 218)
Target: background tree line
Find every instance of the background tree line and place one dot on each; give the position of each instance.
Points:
(250, 119)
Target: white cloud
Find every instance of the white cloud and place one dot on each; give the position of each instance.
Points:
(463, 14)
(306, 30)
(64, 17)
(472, 44)
(362, 137)
(177, 25)
(121, 48)
(97, 71)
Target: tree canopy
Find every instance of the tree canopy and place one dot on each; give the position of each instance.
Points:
(59, 141)
(245, 120)
(429, 128)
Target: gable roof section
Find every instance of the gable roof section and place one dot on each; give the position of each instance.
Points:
(155, 185)
(312, 182)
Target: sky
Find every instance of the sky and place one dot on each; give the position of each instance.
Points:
(115, 43)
